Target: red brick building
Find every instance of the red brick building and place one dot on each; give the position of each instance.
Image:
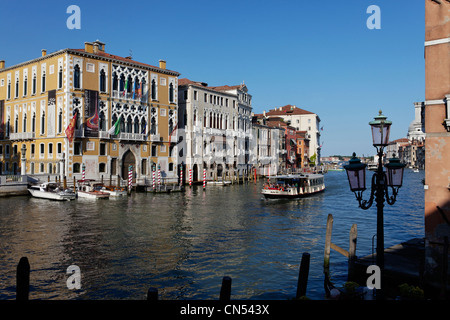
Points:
(437, 141)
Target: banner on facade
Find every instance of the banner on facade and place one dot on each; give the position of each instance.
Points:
(51, 112)
(90, 113)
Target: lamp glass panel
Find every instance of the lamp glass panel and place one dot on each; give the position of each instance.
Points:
(395, 177)
(357, 179)
(380, 134)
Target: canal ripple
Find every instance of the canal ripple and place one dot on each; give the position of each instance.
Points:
(183, 244)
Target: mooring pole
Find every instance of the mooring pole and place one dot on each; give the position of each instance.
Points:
(303, 275)
(23, 279)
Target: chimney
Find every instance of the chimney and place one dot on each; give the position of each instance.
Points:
(44, 52)
(99, 46)
(162, 64)
(2, 64)
(88, 47)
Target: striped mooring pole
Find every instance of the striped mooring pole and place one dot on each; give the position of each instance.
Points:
(130, 178)
(204, 178)
(181, 176)
(190, 177)
(153, 179)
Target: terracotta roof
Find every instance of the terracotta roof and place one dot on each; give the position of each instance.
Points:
(287, 110)
(119, 58)
(185, 81)
(226, 87)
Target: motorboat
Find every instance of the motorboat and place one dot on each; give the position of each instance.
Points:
(113, 191)
(52, 191)
(293, 186)
(85, 189)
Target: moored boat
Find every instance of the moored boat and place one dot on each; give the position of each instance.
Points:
(86, 190)
(52, 191)
(113, 191)
(293, 186)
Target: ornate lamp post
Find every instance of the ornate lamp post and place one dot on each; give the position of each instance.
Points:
(393, 178)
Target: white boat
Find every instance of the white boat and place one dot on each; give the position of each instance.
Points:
(293, 186)
(52, 191)
(86, 190)
(112, 190)
(218, 183)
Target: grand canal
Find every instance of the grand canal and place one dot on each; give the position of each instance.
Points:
(184, 243)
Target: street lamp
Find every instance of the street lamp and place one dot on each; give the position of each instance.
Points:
(393, 178)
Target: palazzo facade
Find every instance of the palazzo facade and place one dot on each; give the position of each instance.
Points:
(124, 114)
(217, 128)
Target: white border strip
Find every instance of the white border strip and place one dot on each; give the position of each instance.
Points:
(438, 41)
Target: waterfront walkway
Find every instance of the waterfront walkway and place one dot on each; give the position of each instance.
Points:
(403, 263)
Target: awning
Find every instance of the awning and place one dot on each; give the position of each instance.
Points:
(293, 141)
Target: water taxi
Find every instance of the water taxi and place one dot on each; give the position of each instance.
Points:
(293, 186)
(86, 190)
(52, 191)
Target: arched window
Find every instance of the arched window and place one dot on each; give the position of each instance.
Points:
(43, 122)
(17, 88)
(25, 85)
(136, 89)
(24, 127)
(60, 77)
(102, 81)
(76, 77)
(153, 89)
(16, 124)
(171, 92)
(33, 123)
(129, 85)
(136, 125)
(144, 90)
(115, 81)
(76, 168)
(60, 121)
(33, 85)
(43, 82)
(170, 126)
(153, 126)
(122, 83)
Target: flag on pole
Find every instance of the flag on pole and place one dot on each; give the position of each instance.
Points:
(126, 87)
(70, 130)
(115, 129)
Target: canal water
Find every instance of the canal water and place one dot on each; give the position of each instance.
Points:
(185, 243)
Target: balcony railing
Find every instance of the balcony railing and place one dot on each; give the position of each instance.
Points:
(131, 136)
(21, 136)
(155, 137)
(129, 96)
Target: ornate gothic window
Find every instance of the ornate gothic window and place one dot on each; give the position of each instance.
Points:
(76, 77)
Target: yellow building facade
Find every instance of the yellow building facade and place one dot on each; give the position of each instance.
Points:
(40, 97)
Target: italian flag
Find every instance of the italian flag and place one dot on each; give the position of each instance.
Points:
(115, 129)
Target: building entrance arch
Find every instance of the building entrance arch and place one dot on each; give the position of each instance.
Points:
(128, 160)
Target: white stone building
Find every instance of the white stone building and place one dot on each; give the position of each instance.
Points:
(214, 126)
(301, 120)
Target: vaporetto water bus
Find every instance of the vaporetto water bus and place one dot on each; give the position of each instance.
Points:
(293, 186)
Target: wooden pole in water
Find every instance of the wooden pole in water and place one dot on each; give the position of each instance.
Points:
(65, 183)
(303, 275)
(225, 291)
(352, 252)
(23, 279)
(152, 294)
(326, 258)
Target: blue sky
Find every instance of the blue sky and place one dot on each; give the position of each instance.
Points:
(317, 55)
